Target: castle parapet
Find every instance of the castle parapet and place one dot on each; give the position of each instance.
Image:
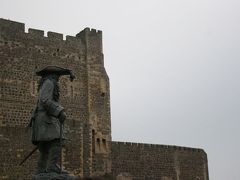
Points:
(36, 32)
(54, 35)
(89, 32)
(11, 29)
(170, 147)
(11, 26)
(16, 30)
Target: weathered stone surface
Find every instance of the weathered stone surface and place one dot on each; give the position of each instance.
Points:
(88, 127)
(89, 152)
(151, 161)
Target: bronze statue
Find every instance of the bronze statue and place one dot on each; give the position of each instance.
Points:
(47, 120)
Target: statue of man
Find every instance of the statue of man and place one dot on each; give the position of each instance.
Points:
(48, 118)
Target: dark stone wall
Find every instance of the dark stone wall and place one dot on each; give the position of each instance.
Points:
(89, 150)
(21, 54)
(12, 153)
(99, 105)
(15, 145)
(149, 161)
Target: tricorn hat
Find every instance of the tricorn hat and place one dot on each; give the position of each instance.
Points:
(55, 70)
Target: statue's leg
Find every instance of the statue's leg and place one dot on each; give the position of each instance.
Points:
(54, 157)
(42, 160)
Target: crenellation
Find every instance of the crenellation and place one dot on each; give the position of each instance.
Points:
(93, 31)
(36, 32)
(99, 32)
(160, 146)
(16, 27)
(72, 39)
(9, 26)
(54, 35)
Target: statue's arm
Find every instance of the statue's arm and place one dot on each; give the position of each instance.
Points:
(46, 98)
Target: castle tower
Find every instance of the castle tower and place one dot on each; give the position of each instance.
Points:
(98, 131)
(89, 150)
(86, 99)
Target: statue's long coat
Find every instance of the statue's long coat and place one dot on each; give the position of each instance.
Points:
(45, 122)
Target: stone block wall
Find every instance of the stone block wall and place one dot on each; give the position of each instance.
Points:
(15, 146)
(152, 162)
(89, 150)
(99, 104)
(86, 99)
(13, 149)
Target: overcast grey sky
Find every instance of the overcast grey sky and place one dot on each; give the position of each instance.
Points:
(173, 68)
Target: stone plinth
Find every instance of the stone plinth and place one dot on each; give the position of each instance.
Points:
(54, 176)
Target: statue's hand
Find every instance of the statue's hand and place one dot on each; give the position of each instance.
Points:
(62, 116)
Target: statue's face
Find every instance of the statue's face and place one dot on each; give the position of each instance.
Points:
(53, 76)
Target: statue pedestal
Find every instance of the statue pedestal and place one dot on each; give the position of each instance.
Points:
(54, 176)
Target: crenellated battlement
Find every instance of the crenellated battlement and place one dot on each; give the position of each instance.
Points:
(11, 26)
(36, 32)
(54, 35)
(16, 30)
(87, 32)
(170, 147)
(94, 31)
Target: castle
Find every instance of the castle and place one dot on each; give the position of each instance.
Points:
(90, 150)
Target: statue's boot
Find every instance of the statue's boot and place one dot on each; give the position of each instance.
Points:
(53, 159)
(42, 161)
(41, 169)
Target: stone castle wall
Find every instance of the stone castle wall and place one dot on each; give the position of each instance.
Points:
(151, 161)
(89, 150)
